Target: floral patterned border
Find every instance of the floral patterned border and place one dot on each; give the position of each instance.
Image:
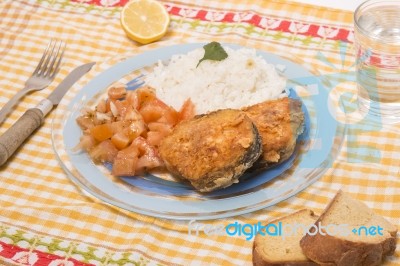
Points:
(25, 256)
(264, 23)
(247, 18)
(23, 248)
(105, 3)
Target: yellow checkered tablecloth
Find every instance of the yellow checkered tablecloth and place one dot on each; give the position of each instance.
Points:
(46, 220)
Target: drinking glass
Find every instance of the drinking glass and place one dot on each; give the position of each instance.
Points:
(377, 44)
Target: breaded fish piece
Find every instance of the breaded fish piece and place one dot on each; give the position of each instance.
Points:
(279, 123)
(212, 151)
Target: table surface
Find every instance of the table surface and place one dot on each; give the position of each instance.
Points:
(45, 219)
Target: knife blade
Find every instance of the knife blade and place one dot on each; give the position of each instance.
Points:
(34, 117)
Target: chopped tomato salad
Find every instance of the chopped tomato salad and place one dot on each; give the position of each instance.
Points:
(126, 129)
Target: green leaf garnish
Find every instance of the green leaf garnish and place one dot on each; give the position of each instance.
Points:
(213, 51)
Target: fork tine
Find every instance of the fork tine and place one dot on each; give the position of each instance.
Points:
(53, 57)
(135, 80)
(134, 86)
(41, 77)
(55, 64)
(57, 67)
(47, 65)
(135, 83)
(45, 53)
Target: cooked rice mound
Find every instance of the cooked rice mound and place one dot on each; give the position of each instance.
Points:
(242, 79)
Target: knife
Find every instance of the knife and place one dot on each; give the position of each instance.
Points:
(34, 117)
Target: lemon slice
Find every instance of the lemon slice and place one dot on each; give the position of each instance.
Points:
(144, 21)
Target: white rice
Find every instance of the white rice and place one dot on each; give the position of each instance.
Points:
(242, 79)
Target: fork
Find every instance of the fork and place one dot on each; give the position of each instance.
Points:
(41, 77)
(135, 83)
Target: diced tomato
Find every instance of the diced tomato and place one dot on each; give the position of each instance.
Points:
(124, 167)
(157, 132)
(102, 132)
(85, 122)
(155, 110)
(117, 92)
(135, 129)
(187, 111)
(122, 107)
(125, 162)
(163, 128)
(127, 128)
(132, 114)
(144, 147)
(154, 138)
(150, 113)
(132, 99)
(144, 95)
(148, 155)
(87, 142)
(119, 126)
(105, 151)
(130, 152)
(120, 140)
(158, 102)
(108, 109)
(102, 106)
(170, 116)
(141, 144)
(148, 161)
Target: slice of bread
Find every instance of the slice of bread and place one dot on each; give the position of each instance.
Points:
(343, 247)
(284, 249)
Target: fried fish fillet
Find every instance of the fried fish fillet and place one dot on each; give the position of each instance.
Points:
(279, 123)
(213, 150)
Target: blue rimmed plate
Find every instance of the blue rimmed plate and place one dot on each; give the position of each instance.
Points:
(162, 196)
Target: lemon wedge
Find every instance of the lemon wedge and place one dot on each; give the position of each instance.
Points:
(144, 21)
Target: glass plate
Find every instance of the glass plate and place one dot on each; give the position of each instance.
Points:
(160, 195)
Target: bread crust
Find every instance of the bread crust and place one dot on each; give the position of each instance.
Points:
(329, 250)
